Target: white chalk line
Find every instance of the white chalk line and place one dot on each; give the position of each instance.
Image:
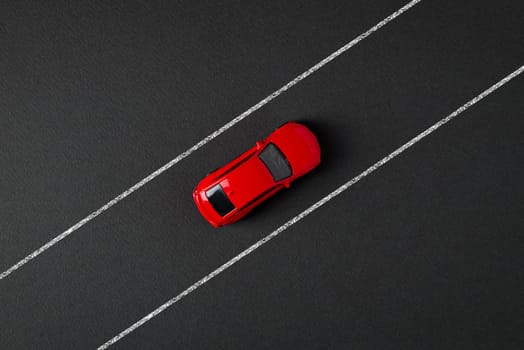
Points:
(207, 139)
(312, 208)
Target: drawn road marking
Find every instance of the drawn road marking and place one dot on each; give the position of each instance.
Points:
(207, 139)
(312, 208)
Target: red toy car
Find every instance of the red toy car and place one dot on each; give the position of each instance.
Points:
(229, 193)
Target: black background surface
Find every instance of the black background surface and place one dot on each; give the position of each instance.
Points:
(427, 252)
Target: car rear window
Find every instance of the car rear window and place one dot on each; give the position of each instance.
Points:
(275, 162)
(219, 200)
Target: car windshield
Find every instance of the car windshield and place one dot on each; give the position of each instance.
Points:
(275, 162)
(219, 200)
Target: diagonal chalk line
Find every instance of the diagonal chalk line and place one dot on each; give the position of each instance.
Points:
(207, 139)
(312, 208)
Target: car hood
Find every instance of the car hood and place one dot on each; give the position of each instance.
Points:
(299, 145)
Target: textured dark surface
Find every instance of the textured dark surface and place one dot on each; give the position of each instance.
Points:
(424, 253)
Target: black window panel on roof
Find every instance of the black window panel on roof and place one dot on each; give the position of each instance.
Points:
(219, 200)
(275, 162)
